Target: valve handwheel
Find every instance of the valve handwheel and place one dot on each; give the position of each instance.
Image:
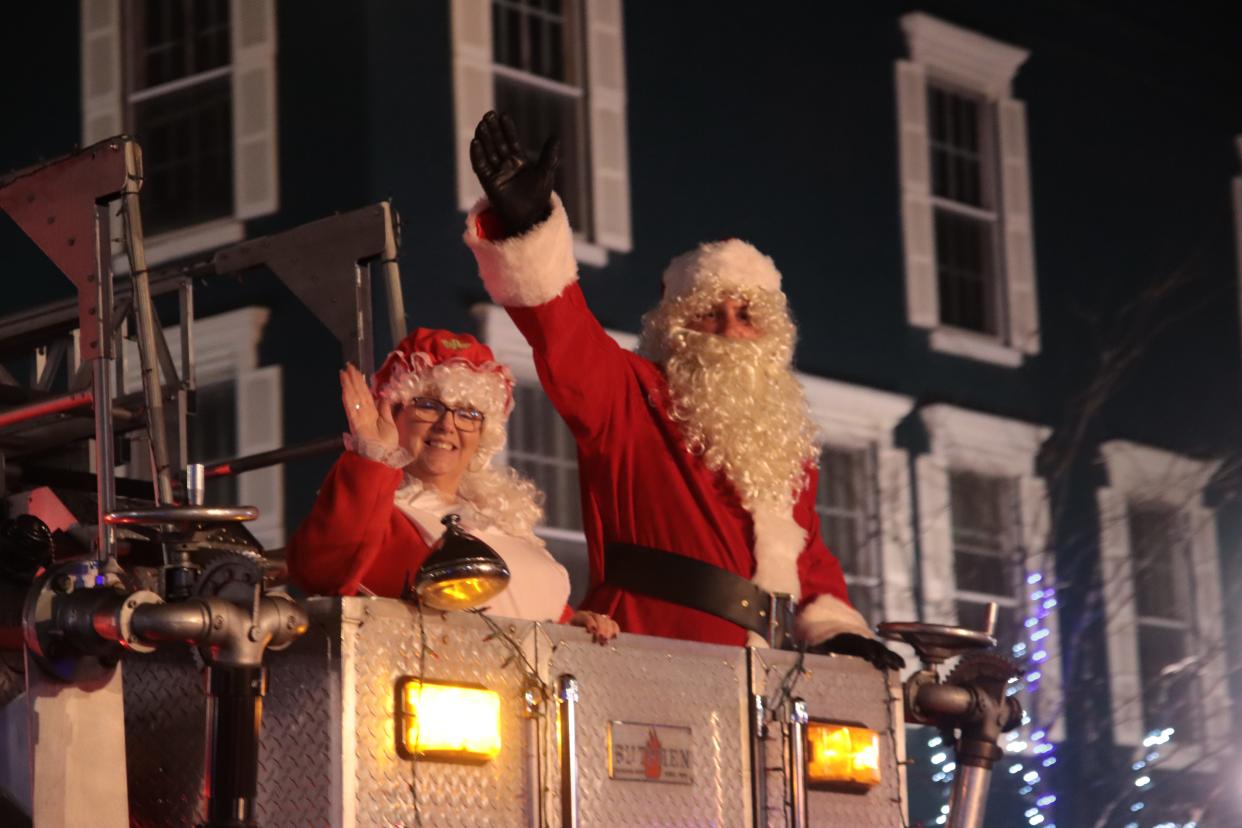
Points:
(936, 643)
(181, 516)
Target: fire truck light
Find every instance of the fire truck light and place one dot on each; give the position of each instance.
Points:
(842, 754)
(448, 721)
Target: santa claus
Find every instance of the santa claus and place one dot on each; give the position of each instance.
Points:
(697, 455)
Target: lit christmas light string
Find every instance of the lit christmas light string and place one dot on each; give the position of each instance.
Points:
(1035, 753)
(1153, 743)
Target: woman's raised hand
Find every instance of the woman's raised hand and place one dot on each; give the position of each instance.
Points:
(367, 420)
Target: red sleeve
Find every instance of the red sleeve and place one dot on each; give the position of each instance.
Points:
(582, 369)
(566, 614)
(819, 571)
(355, 534)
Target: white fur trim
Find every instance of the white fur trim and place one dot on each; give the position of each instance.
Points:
(526, 270)
(827, 616)
(732, 263)
(778, 541)
(394, 456)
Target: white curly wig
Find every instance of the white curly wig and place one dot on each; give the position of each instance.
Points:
(737, 400)
(499, 495)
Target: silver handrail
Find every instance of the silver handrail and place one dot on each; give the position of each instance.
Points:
(758, 733)
(798, 719)
(567, 702)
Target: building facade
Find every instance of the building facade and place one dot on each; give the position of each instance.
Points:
(1008, 236)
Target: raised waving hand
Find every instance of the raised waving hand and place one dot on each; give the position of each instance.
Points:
(367, 420)
(519, 190)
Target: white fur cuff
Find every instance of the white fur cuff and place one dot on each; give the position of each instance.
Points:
(526, 270)
(827, 616)
(778, 542)
(394, 456)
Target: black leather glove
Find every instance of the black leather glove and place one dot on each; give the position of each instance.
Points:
(864, 647)
(520, 191)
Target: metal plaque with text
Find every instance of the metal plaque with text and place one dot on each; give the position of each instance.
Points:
(642, 752)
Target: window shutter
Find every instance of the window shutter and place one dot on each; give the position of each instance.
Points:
(1121, 627)
(473, 91)
(610, 171)
(922, 301)
(101, 70)
(259, 429)
(896, 555)
(1209, 615)
(1023, 300)
(935, 539)
(256, 189)
(1033, 501)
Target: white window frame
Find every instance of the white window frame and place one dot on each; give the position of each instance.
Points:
(473, 95)
(860, 418)
(946, 54)
(1138, 473)
(226, 349)
(256, 190)
(971, 441)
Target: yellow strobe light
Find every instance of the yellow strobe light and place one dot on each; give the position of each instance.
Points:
(453, 722)
(840, 754)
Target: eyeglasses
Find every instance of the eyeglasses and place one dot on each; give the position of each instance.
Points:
(427, 410)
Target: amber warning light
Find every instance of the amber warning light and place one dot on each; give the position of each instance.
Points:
(452, 722)
(842, 755)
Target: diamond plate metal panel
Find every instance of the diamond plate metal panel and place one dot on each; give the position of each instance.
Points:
(838, 688)
(658, 681)
(165, 716)
(328, 752)
(165, 735)
(299, 748)
(461, 648)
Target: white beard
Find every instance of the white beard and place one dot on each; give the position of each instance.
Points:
(741, 407)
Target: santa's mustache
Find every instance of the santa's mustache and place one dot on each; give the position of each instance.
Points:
(741, 407)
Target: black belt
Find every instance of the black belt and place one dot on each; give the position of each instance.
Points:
(688, 583)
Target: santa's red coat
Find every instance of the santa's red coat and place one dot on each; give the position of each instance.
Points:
(639, 483)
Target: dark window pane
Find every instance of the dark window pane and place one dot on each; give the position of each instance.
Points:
(529, 35)
(535, 46)
(984, 558)
(956, 139)
(991, 574)
(212, 433)
(211, 34)
(843, 509)
(979, 504)
(541, 448)
(965, 272)
(174, 39)
(1172, 699)
(1161, 570)
(187, 142)
(847, 524)
(540, 113)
